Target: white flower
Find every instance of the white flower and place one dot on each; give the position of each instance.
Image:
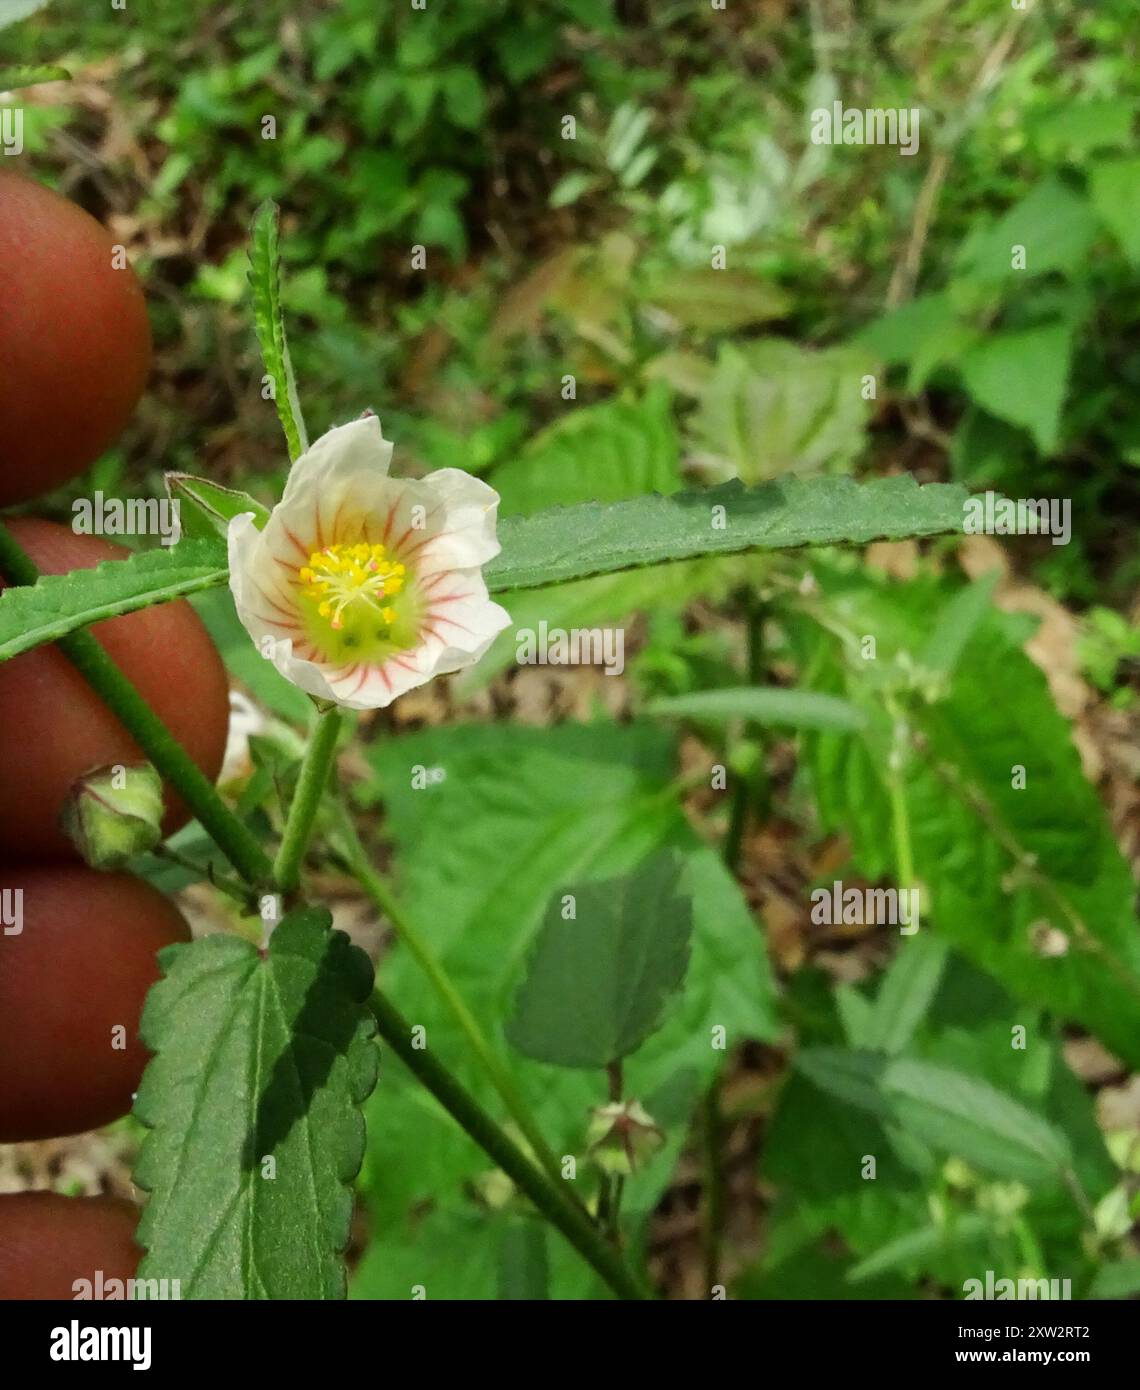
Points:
(362, 586)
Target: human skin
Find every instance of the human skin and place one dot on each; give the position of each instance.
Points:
(86, 954)
(75, 346)
(54, 728)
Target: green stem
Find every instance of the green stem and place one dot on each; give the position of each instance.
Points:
(381, 894)
(311, 784)
(546, 1193)
(235, 840)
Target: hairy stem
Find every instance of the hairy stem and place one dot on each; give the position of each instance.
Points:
(546, 1193)
(311, 784)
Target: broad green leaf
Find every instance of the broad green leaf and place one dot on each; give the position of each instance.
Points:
(1053, 208)
(573, 542)
(1115, 189)
(945, 1108)
(1027, 880)
(608, 957)
(206, 509)
(796, 709)
(58, 604)
(265, 281)
(716, 301)
(774, 408)
(251, 1099)
(507, 816)
(601, 453)
(29, 75)
(1022, 377)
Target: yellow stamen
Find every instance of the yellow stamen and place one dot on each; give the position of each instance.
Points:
(342, 575)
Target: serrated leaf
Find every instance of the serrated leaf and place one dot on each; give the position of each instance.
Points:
(265, 281)
(953, 1112)
(256, 1058)
(598, 981)
(572, 542)
(796, 709)
(206, 509)
(29, 75)
(60, 603)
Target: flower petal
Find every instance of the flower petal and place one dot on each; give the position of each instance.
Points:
(349, 453)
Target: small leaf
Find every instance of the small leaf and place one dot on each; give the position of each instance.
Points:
(797, 709)
(905, 994)
(572, 542)
(1114, 186)
(251, 1099)
(598, 980)
(206, 508)
(918, 1246)
(1022, 377)
(59, 603)
(30, 75)
(957, 623)
(265, 280)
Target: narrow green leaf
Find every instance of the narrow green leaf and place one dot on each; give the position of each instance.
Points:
(251, 1099)
(29, 75)
(599, 979)
(906, 992)
(59, 603)
(206, 508)
(591, 538)
(918, 1246)
(797, 709)
(941, 1106)
(265, 281)
(957, 623)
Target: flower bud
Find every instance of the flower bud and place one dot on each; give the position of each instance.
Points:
(114, 813)
(622, 1137)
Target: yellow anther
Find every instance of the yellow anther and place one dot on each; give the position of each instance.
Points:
(342, 575)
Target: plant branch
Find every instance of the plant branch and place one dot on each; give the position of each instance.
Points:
(314, 778)
(546, 1193)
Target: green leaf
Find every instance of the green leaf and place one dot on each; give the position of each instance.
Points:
(1121, 1279)
(716, 301)
(206, 508)
(1027, 880)
(905, 994)
(957, 623)
(1022, 377)
(953, 1112)
(1114, 186)
(773, 407)
(58, 604)
(265, 281)
(1051, 207)
(918, 1246)
(599, 979)
(573, 542)
(797, 709)
(256, 1058)
(599, 453)
(29, 75)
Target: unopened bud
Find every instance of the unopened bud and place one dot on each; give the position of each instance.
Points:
(622, 1136)
(114, 813)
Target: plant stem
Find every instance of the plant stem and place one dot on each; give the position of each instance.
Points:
(381, 894)
(311, 784)
(235, 840)
(546, 1193)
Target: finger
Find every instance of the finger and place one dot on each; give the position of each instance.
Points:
(74, 339)
(54, 728)
(49, 1243)
(77, 956)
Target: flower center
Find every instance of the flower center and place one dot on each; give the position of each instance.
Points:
(353, 582)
